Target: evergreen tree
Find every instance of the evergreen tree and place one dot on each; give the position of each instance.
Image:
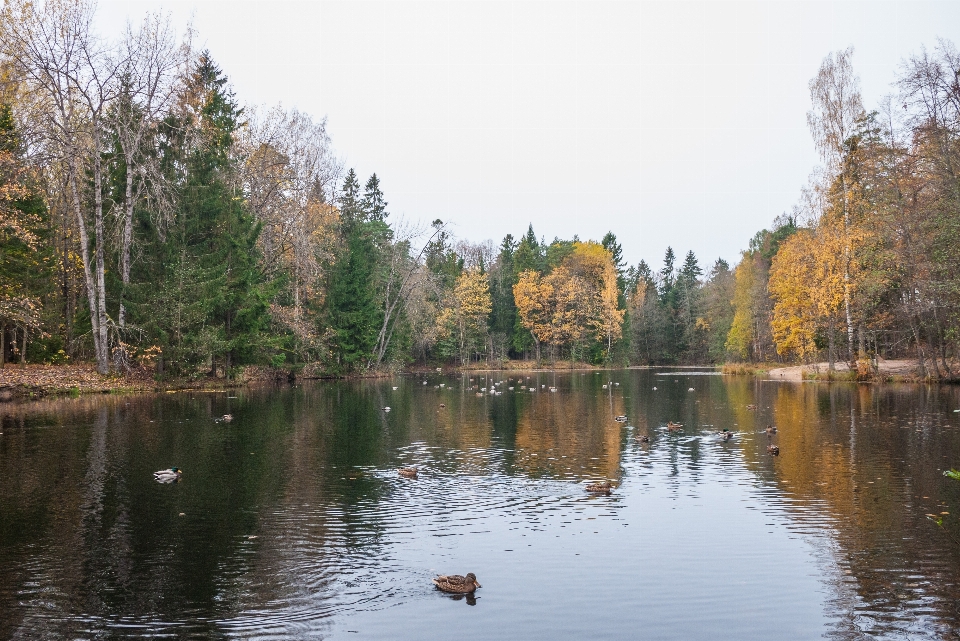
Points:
(529, 254)
(373, 204)
(503, 277)
(610, 243)
(202, 292)
(356, 280)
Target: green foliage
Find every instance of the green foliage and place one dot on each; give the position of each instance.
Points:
(199, 292)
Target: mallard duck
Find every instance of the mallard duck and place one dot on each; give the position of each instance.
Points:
(751, 407)
(408, 472)
(726, 435)
(168, 476)
(227, 417)
(674, 427)
(620, 419)
(773, 450)
(600, 488)
(644, 438)
(456, 583)
(771, 429)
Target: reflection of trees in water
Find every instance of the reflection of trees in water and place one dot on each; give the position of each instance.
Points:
(102, 539)
(859, 460)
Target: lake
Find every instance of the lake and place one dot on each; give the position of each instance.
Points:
(291, 521)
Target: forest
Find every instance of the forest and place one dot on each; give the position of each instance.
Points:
(149, 218)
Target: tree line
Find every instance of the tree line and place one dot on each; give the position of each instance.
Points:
(148, 219)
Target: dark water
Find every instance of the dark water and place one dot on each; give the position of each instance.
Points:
(295, 524)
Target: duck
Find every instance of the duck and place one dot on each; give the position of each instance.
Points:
(752, 407)
(227, 418)
(600, 488)
(168, 476)
(385, 409)
(442, 405)
(726, 435)
(457, 584)
(408, 472)
(395, 388)
(674, 427)
(643, 438)
(620, 419)
(771, 429)
(773, 450)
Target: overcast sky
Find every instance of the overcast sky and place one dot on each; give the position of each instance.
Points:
(668, 123)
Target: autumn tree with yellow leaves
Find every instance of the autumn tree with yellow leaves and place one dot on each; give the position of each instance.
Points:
(577, 301)
(462, 324)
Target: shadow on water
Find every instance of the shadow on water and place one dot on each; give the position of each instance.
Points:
(291, 520)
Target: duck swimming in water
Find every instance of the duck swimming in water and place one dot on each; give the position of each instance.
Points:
(620, 419)
(600, 488)
(771, 429)
(773, 450)
(408, 472)
(674, 427)
(168, 476)
(457, 584)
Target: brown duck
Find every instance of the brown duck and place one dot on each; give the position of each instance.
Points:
(773, 450)
(457, 584)
(674, 427)
(408, 472)
(643, 438)
(771, 429)
(600, 488)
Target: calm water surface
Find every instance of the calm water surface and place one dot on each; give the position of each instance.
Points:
(291, 522)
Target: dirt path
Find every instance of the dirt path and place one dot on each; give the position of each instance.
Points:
(906, 368)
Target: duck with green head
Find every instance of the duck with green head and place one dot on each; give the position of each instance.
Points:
(171, 475)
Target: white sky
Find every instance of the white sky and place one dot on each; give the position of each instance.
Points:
(669, 123)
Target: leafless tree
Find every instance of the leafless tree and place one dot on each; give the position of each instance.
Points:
(74, 75)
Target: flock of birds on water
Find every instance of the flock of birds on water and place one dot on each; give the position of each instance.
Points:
(455, 583)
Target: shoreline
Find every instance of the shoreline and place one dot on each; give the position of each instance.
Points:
(32, 381)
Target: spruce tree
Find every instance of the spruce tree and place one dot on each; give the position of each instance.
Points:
(354, 307)
(202, 293)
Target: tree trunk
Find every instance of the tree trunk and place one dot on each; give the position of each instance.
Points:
(125, 247)
(846, 271)
(87, 272)
(831, 348)
(920, 358)
(3, 345)
(23, 352)
(103, 358)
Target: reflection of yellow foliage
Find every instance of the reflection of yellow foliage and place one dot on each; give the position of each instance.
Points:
(569, 436)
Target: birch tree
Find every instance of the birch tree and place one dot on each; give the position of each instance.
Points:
(74, 74)
(837, 106)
